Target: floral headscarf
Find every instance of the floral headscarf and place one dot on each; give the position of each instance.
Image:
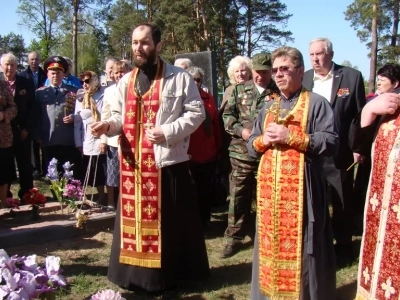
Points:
(88, 101)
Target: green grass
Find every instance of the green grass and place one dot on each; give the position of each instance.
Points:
(84, 261)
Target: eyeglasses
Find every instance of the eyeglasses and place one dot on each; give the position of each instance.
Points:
(282, 69)
(197, 79)
(87, 81)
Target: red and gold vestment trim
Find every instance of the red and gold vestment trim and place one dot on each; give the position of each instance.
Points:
(379, 268)
(140, 183)
(280, 198)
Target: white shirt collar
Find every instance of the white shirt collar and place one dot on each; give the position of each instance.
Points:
(327, 76)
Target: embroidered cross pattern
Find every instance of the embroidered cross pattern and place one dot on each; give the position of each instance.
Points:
(130, 114)
(149, 210)
(128, 185)
(388, 127)
(149, 186)
(149, 162)
(129, 208)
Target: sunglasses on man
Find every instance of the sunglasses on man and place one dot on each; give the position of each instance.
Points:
(282, 69)
(87, 81)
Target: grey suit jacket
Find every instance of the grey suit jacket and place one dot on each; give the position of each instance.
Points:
(52, 130)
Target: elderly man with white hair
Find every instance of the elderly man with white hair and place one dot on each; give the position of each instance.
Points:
(24, 123)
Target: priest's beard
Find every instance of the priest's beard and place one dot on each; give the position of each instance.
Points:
(146, 60)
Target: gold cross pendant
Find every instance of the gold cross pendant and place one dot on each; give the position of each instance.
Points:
(148, 124)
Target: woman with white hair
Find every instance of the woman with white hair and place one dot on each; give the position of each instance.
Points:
(87, 112)
(239, 70)
(24, 124)
(8, 111)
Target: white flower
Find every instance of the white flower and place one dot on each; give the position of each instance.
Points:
(20, 294)
(30, 263)
(11, 281)
(53, 270)
(52, 265)
(28, 283)
(107, 295)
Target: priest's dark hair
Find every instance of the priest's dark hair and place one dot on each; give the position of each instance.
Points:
(155, 31)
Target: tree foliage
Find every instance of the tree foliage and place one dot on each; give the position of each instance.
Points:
(347, 63)
(13, 43)
(376, 23)
(41, 17)
(227, 27)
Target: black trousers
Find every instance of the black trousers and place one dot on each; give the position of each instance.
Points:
(22, 153)
(341, 191)
(64, 154)
(202, 174)
(38, 157)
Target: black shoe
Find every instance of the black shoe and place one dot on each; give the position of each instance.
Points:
(231, 249)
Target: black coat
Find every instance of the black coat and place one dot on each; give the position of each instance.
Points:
(29, 74)
(345, 107)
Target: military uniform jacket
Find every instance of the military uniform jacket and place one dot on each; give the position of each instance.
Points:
(52, 130)
(240, 112)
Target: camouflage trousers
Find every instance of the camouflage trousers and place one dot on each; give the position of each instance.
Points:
(242, 192)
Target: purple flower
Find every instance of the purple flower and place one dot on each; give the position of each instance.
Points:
(30, 264)
(52, 173)
(30, 281)
(76, 182)
(53, 162)
(6, 261)
(73, 190)
(68, 174)
(19, 294)
(10, 280)
(67, 166)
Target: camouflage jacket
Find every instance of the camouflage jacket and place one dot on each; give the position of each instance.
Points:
(240, 112)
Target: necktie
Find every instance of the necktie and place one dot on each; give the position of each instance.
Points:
(56, 90)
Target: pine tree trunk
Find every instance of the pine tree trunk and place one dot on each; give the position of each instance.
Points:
(395, 23)
(205, 24)
(249, 21)
(374, 48)
(222, 44)
(75, 35)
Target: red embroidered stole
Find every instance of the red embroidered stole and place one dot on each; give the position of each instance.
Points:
(280, 198)
(379, 268)
(140, 180)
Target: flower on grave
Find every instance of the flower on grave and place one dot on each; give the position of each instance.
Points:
(34, 197)
(60, 184)
(23, 278)
(107, 295)
(13, 203)
(73, 190)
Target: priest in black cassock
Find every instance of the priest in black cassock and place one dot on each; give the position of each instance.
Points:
(158, 236)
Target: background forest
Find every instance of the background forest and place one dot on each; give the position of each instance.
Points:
(88, 31)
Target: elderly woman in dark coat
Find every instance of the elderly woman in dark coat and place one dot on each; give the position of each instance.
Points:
(8, 111)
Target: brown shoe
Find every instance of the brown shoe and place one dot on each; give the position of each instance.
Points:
(231, 249)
